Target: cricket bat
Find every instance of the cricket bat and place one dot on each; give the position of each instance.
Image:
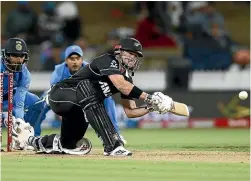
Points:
(179, 109)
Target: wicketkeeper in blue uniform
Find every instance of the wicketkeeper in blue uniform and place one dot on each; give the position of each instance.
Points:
(14, 57)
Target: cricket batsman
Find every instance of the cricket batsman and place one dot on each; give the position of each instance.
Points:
(80, 101)
(73, 62)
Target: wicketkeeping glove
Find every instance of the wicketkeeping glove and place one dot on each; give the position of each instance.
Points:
(18, 126)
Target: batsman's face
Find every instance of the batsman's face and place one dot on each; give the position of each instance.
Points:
(129, 58)
(74, 63)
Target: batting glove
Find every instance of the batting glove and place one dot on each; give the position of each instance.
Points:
(152, 102)
(166, 104)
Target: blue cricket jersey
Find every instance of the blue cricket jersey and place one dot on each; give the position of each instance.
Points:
(21, 85)
(61, 72)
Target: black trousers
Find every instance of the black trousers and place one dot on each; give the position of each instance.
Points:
(78, 106)
(63, 101)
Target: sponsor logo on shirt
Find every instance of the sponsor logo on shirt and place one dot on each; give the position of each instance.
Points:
(105, 88)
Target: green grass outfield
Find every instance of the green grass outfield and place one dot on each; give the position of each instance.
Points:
(159, 155)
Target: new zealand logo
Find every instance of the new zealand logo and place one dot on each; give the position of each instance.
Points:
(136, 44)
(114, 64)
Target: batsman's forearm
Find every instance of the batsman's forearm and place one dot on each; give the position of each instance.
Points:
(125, 88)
(137, 112)
(128, 89)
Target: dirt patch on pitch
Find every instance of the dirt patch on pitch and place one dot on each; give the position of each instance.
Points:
(154, 155)
(195, 156)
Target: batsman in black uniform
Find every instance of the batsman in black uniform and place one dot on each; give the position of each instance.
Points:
(79, 100)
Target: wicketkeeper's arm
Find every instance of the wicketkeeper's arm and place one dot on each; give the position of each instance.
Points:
(18, 100)
(21, 91)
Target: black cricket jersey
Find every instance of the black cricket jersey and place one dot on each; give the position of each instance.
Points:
(97, 73)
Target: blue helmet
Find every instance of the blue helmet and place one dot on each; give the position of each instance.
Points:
(15, 47)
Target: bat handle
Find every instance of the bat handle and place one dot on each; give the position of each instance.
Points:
(172, 106)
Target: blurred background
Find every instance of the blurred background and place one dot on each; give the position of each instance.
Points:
(196, 52)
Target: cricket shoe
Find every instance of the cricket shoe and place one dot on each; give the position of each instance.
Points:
(83, 147)
(119, 151)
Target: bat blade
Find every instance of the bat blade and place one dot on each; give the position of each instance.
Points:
(180, 109)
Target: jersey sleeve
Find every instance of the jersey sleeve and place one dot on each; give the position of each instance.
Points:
(21, 90)
(107, 65)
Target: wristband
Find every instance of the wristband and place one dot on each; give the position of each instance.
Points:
(135, 92)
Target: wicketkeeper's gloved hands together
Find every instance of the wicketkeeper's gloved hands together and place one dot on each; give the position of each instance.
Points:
(18, 125)
(14, 125)
(23, 130)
